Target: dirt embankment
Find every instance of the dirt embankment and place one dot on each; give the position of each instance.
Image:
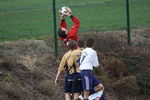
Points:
(28, 68)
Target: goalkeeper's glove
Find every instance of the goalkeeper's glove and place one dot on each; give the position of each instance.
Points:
(61, 17)
(67, 11)
(61, 14)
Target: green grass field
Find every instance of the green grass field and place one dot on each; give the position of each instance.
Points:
(34, 18)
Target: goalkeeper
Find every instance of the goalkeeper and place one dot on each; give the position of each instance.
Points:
(63, 32)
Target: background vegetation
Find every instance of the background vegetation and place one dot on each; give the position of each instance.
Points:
(28, 67)
(34, 18)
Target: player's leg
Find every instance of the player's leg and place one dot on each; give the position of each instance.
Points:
(67, 87)
(76, 96)
(86, 83)
(98, 98)
(67, 96)
(86, 94)
(99, 87)
(77, 86)
(97, 84)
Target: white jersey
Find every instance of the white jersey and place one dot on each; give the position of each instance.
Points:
(88, 59)
(97, 94)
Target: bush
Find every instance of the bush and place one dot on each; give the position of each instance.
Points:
(38, 73)
(46, 87)
(107, 41)
(137, 62)
(126, 85)
(116, 68)
(102, 76)
(8, 62)
(12, 89)
(11, 86)
(144, 82)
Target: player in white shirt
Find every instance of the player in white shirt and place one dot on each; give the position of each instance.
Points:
(88, 60)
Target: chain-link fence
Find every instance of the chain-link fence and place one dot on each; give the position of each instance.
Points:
(20, 19)
(34, 18)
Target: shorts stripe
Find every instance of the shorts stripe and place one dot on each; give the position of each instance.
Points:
(87, 82)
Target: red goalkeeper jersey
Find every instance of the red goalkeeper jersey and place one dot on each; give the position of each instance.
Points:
(72, 34)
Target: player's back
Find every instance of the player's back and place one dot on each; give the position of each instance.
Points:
(76, 55)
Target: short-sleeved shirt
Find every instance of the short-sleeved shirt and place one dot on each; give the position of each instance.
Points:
(89, 59)
(70, 58)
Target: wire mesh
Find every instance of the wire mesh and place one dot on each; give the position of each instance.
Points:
(33, 18)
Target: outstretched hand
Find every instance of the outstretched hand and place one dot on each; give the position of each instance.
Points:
(64, 11)
(61, 17)
(67, 12)
(56, 81)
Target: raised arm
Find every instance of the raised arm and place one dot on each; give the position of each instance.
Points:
(75, 21)
(74, 30)
(76, 25)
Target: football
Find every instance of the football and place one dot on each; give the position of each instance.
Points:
(65, 11)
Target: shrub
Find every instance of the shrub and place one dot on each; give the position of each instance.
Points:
(116, 68)
(137, 62)
(126, 85)
(46, 87)
(107, 41)
(38, 73)
(11, 86)
(144, 82)
(102, 76)
(12, 89)
(8, 62)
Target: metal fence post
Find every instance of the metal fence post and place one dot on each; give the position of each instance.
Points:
(128, 22)
(55, 34)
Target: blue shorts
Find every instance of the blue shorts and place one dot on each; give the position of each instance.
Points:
(88, 80)
(73, 83)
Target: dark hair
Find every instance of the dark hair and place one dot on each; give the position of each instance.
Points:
(80, 43)
(72, 45)
(62, 33)
(90, 42)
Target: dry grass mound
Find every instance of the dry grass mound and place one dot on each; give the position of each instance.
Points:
(33, 65)
(28, 68)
